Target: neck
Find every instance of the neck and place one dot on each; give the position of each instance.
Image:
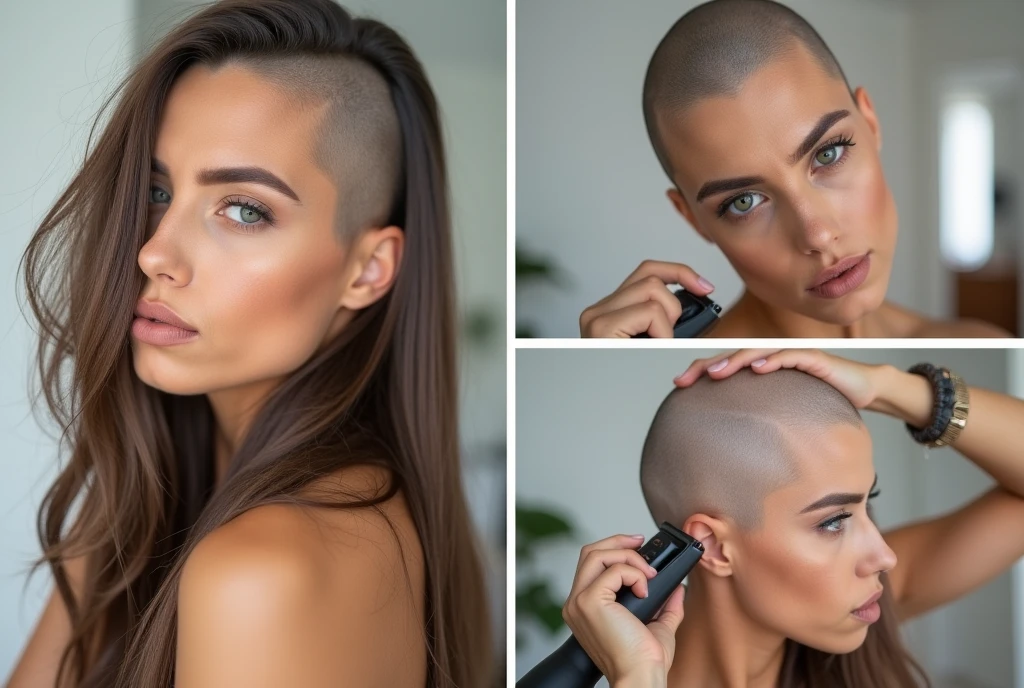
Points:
(718, 645)
(769, 321)
(234, 409)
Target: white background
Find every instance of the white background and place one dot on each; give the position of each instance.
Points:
(581, 419)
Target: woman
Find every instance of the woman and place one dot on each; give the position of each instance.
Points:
(251, 280)
(840, 556)
(775, 160)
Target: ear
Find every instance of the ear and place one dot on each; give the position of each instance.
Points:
(714, 534)
(376, 256)
(867, 109)
(683, 208)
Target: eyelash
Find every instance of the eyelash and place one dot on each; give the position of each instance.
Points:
(824, 526)
(266, 216)
(840, 140)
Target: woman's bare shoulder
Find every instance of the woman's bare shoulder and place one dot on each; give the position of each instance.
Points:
(958, 329)
(901, 322)
(291, 595)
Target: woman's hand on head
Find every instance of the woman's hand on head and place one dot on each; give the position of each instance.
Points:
(623, 648)
(643, 303)
(857, 381)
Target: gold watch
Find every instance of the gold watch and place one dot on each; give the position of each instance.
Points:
(961, 405)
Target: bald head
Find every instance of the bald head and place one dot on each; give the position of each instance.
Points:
(714, 48)
(721, 446)
(358, 141)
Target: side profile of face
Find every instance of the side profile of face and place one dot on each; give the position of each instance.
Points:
(817, 555)
(772, 472)
(784, 218)
(258, 269)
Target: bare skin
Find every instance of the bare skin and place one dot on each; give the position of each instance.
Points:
(326, 598)
(804, 580)
(830, 204)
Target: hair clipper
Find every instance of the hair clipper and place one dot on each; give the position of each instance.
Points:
(699, 313)
(673, 554)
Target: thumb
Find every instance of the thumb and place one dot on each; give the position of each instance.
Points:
(665, 626)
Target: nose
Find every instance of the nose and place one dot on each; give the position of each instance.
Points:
(813, 226)
(163, 258)
(878, 556)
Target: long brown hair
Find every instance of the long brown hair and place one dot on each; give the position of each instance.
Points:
(137, 493)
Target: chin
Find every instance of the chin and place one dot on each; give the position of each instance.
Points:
(836, 644)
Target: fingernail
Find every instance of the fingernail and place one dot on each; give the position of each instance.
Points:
(718, 366)
(759, 362)
(652, 569)
(637, 537)
(705, 284)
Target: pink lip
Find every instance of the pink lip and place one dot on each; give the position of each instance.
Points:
(154, 310)
(842, 278)
(159, 333)
(870, 611)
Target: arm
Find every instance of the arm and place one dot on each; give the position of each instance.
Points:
(37, 667)
(263, 602)
(930, 574)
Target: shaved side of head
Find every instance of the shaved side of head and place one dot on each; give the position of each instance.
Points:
(719, 447)
(714, 48)
(358, 141)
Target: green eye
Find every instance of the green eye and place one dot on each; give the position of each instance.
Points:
(826, 156)
(158, 190)
(744, 202)
(249, 215)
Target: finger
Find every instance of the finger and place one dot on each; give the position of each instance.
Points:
(723, 366)
(614, 578)
(665, 626)
(649, 317)
(696, 369)
(614, 542)
(808, 360)
(671, 273)
(598, 561)
(647, 289)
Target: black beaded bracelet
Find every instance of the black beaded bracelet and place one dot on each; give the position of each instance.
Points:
(942, 407)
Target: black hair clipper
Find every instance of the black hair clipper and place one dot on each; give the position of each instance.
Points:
(699, 313)
(672, 553)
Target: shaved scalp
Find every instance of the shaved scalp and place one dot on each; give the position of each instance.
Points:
(719, 447)
(714, 48)
(358, 141)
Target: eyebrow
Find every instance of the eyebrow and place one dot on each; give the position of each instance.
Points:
(839, 499)
(236, 175)
(826, 122)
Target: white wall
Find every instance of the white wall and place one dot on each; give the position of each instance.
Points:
(945, 36)
(582, 416)
(589, 191)
(59, 59)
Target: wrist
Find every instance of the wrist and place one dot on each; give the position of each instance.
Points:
(902, 395)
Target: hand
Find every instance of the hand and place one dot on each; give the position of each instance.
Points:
(859, 382)
(643, 302)
(620, 645)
